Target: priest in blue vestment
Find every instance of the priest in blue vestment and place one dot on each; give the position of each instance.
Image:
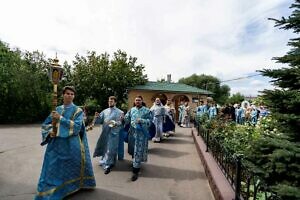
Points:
(180, 110)
(67, 165)
(108, 142)
(139, 117)
(158, 112)
(169, 123)
(212, 111)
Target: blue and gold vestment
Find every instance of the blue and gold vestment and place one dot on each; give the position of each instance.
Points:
(138, 134)
(67, 165)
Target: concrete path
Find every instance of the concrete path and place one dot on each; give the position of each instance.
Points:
(173, 171)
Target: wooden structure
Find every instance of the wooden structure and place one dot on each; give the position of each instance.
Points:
(177, 92)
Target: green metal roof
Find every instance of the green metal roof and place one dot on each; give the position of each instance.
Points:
(170, 87)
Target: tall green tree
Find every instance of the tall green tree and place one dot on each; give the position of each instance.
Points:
(26, 91)
(236, 98)
(277, 156)
(211, 83)
(9, 61)
(36, 86)
(285, 101)
(67, 75)
(24, 88)
(98, 77)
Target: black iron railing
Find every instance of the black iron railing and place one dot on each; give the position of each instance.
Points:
(245, 183)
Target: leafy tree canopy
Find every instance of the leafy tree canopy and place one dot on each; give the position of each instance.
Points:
(236, 98)
(284, 101)
(277, 158)
(98, 76)
(26, 91)
(24, 85)
(210, 83)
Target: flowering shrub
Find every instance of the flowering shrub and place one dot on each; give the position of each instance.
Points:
(267, 152)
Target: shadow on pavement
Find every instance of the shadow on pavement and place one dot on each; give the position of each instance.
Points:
(124, 165)
(176, 141)
(166, 152)
(93, 194)
(154, 171)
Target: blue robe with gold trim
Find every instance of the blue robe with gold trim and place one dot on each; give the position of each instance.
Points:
(67, 165)
(108, 142)
(138, 134)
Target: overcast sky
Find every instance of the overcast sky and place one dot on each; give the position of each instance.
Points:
(224, 38)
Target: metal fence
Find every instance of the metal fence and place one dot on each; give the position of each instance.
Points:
(245, 183)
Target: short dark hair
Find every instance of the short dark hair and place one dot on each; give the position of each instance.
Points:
(113, 97)
(140, 97)
(69, 88)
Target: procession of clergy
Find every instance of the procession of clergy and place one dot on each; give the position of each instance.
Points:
(67, 165)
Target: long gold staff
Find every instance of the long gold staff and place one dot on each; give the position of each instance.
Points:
(56, 73)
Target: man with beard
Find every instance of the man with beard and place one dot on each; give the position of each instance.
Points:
(139, 118)
(108, 142)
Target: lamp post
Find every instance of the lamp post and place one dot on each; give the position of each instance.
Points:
(56, 73)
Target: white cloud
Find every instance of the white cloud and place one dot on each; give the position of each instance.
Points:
(256, 83)
(249, 90)
(227, 39)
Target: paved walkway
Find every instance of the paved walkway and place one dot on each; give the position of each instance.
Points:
(173, 171)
